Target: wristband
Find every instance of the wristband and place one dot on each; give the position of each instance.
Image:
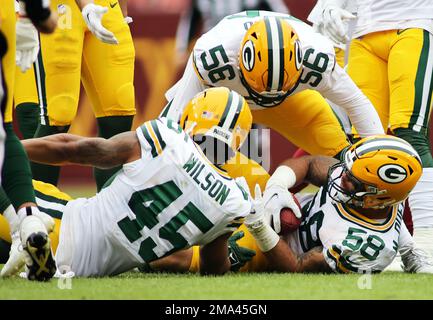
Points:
(283, 176)
(266, 238)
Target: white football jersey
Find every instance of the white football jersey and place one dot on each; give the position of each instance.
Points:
(170, 199)
(381, 15)
(215, 62)
(216, 53)
(351, 242)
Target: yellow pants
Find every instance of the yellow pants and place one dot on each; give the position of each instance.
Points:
(392, 69)
(306, 120)
(25, 90)
(48, 198)
(72, 53)
(7, 26)
(257, 264)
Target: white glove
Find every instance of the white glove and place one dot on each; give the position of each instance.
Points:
(334, 23)
(92, 15)
(275, 199)
(128, 20)
(265, 237)
(257, 213)
(27, 44)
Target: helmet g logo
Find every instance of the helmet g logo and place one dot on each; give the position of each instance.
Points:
(298, 55)
(392, 173)
(248, 55)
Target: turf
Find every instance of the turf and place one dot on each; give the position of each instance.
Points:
(234, 286)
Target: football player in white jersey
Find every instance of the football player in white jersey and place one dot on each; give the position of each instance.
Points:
(274, 60)
(167, 196)
(393, 40)
(354, 222)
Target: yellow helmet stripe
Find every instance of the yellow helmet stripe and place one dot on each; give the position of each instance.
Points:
(275, 53)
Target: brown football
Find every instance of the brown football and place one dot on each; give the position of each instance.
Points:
(289, 222)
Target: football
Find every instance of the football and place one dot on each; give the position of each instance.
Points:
(289, 222)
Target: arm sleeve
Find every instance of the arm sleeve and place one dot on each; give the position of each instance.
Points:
(341, 90)
(183, 91)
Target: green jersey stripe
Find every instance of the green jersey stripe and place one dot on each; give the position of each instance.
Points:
(281, 53)
(226, 109)
(49, 198)
(270, 54)
(149, 141)
(166, 110)
(238, 112)
(51, 212)
(158, 134)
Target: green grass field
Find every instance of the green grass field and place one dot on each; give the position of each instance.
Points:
(161, 286)
(233, 286)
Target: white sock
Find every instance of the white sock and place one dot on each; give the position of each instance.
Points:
(421, 201)
(423, 238)
(12, 218)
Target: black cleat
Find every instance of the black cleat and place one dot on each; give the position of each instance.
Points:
(43, 266)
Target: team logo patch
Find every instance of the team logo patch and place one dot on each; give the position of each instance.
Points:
(392, 173)
(298, 55)
(248, 55)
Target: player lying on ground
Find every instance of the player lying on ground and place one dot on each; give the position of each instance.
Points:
(352, 224)
(167, 196)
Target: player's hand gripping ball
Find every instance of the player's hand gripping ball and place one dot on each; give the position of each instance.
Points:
(289, 222)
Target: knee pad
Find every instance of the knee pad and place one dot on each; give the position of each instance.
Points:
(126, 99)
(62, 110)
(420, 142)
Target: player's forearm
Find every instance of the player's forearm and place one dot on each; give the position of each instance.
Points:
(282, 259)
(51, 149)
(313, 169)
(214, 258)
(344, 92)
(64, 149)
(82, 3)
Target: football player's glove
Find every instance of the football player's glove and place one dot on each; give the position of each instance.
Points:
(27, 44)
(276, 198)
(238, 255)
(335, 21)
(92, 15)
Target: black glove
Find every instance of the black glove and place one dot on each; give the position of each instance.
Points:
(37, 10)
